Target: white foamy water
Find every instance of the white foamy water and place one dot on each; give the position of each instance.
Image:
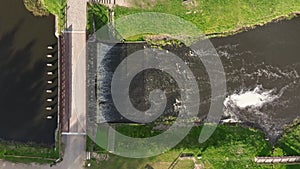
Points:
(255, 98)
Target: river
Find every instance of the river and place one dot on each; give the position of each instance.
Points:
(262, 68)
(24, 41)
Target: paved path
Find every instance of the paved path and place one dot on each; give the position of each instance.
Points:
(75, 153)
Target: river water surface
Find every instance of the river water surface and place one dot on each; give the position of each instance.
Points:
(262, 68)
(23, 79)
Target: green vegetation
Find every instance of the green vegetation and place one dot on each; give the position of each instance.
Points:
(289, 143)
(36, 7)
(216, 17)
(57, 8)
(27, 153)
(229, 147)
(184, 164)
(44, 7)
(97, 17)
(157, 26)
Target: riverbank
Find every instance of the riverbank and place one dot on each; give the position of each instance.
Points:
(217, 18)
(57, 8)
(46, 7)
(229, 147)
(30, 152)
(27, 152)
(289, 143)
(36, 7)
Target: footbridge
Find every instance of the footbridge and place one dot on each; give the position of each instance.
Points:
(72, 85)
(104, 1)
(276, 160)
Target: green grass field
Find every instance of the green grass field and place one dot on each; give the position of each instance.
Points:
(220, 17)
(229, 147)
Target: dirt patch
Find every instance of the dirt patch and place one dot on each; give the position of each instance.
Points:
(190, 4)
(161, 165)
(124, 3)
(143, 4)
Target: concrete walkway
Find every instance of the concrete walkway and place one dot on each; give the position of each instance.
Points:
(75, 150)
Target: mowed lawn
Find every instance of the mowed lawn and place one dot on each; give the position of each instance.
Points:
(216, 16)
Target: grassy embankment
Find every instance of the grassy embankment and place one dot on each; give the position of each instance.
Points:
(97, 17)
(216, 18)
(44, 7)
(229, 147)
(30, 152)
(289, 144)
(36, 7)
(57, 8)
(27, 152)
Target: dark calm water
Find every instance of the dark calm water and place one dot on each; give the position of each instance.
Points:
(262, 68)
(23, 79)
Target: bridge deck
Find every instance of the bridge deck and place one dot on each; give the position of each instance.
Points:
(271, 160)
(73, 85)
(64, 84)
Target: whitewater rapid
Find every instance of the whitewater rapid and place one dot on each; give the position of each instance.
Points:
(254, 98)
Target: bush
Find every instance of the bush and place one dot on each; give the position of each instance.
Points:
(97, 17)
(36, 7)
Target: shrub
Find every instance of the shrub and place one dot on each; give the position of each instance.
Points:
(36, 7)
